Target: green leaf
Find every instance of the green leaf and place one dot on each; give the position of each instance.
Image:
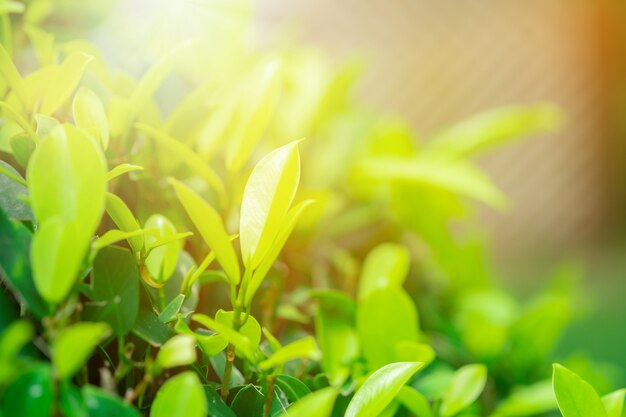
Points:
(251, 328)
(12, 193)
(31, 394)
(614, 402)
(386, 265)
(22, 147)
(385, 318)
(89, 114)
(64, 80)
(267, 196)
(409, 351)
(528, 400)
(210, 345)
(122, 169)
(458, 177)
(293, 388)
(73, 346)
(10, 73)
(494, 127)
(114, 236)
(279, 242)
(66, 177)
(171, 310)
(574, 396)
(303, 348)
(185, 155)
(180, 350)
(415, 402)
(161, 261)
(103, 404)
(71, 401)
(45, 125)
(180, 396)
(249, 401)
(242, 343)
(15, 266)
(13, 338)
(209, 224)
(381, 388)
(9, 6)
(318, 404)
(149, 328)
(261, 90)
(217, 407)
(124, 219)
(466, 385)
(115, 289)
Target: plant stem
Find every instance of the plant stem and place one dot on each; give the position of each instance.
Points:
(270, 396)
(230, 354)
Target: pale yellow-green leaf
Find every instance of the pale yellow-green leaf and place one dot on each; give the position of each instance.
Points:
(89, 114)
(74, 345)
(64, 80)
(66, 177)
(162, 260)
(614, 402)
(180, 396)
(317, 404)
(211, 228)
(303, 348)
(283, 234)
(180, 350)
(386, 265)
(125, 220)
(185, 155)
(267, 196)
(381, 388)
(466, 385)
(122, 169)
(241, 342)
(11, 75)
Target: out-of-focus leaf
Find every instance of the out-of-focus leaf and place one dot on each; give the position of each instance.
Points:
(103, 404)
(9, 6)
(574, 396)
(124, 219)
(31, 394)
(466, 385)
(45, 125)
(528, 401)
(114, 236)
(65, 79)
(122, 169)
(269, 192)
(71, 401)
(89, 114)
(281, 238)
(384, 318)
(409, 351)
(12, 339)
(10, 194)
(336, 334)
(415, 402)
(318, 404)
(73, 346)
(211, 228)
(22, 147)
(187, 156)
(180, 396)
(614, 402)
(15, 241)
(494, 127)
(261, 93)
(386, 265)
(149, 328)
(458, 177)
(115, 289)
(66, 177)
(381, 388)
(10, 73)
(162, 260)
(217, 407)
(178, 351)
(250, 401)
(303, 348)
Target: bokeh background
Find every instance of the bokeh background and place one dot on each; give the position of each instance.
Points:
(435, 62)
(438, 61)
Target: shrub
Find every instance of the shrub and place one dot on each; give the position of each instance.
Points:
(191, 264)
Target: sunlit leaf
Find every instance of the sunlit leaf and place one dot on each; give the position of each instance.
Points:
(211, 228)
(614, 402)
(178, 351)
(122, 169)
(269, 192)
(66, 78)
(180, 396)
(415, 402)
(386, 265)
(575, 397)
(240, 341)
(89, 114)
(318, 404)
(467, 384)
(10, 73)
(162, 259)
(381, 388)
(303, 348)
(124, 219)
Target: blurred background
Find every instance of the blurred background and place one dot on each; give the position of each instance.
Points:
(435, 62)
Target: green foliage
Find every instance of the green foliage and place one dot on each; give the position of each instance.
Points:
(346, 279)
